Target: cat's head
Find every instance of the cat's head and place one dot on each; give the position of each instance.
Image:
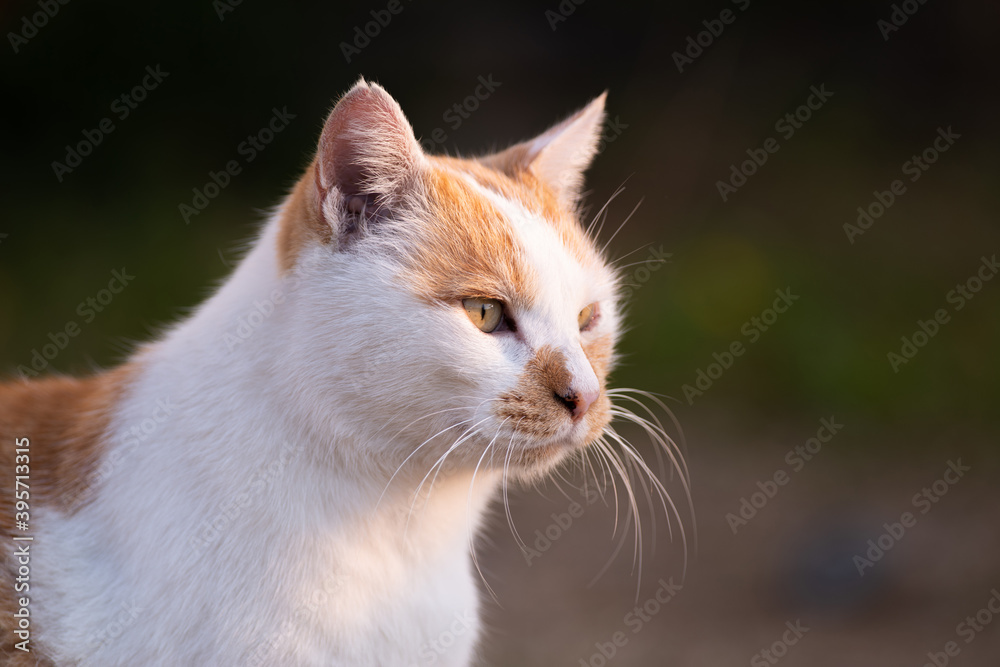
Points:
(455, 305)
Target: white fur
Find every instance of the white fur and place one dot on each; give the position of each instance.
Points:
(271, 517)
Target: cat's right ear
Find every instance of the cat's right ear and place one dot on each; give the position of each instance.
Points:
(367, 159)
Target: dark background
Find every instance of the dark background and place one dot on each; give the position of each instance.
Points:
(679, 133)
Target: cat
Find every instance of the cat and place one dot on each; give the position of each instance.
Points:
(294, 474)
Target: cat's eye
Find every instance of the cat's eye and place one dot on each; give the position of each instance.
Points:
(487, 314)
(587, 317)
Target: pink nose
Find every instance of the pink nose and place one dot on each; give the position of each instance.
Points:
(578, 402)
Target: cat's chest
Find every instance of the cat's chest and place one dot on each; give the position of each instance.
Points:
(363, 610)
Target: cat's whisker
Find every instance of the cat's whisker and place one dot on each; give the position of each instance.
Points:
(444, 430)
(627, 218)
(411, 455)
(661, 440)
(604, 452)
(645, 261)
(472, 484)
(602, 213)
(608, 454)
(506, 499)
(628, 466)
(467, 434)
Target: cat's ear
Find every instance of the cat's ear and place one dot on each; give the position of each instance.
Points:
(560, 155)
(367, 158)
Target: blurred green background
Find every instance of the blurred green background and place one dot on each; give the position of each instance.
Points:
(673, 135)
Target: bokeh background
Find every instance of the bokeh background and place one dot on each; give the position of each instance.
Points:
(674, 133)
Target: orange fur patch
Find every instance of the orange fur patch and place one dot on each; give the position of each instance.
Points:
(468, 247)
(533, 406)
(66, 421)
(301, 221)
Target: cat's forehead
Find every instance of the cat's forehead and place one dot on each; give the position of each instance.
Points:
(495, 235)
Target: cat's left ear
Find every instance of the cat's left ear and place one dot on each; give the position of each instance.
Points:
(560, 155)
(368, 159)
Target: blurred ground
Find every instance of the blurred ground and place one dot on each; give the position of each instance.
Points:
(792, 562)
(676, 131)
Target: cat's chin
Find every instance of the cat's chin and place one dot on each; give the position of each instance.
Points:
(541, 456)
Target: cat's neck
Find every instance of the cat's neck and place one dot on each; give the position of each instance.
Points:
(218, 452)
(233, 372)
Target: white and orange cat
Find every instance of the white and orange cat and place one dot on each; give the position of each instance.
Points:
(293, 475)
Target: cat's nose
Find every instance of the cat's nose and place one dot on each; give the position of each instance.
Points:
(578, 402)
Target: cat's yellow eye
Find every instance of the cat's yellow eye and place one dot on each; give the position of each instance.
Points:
(484, 313)
(586, 317)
